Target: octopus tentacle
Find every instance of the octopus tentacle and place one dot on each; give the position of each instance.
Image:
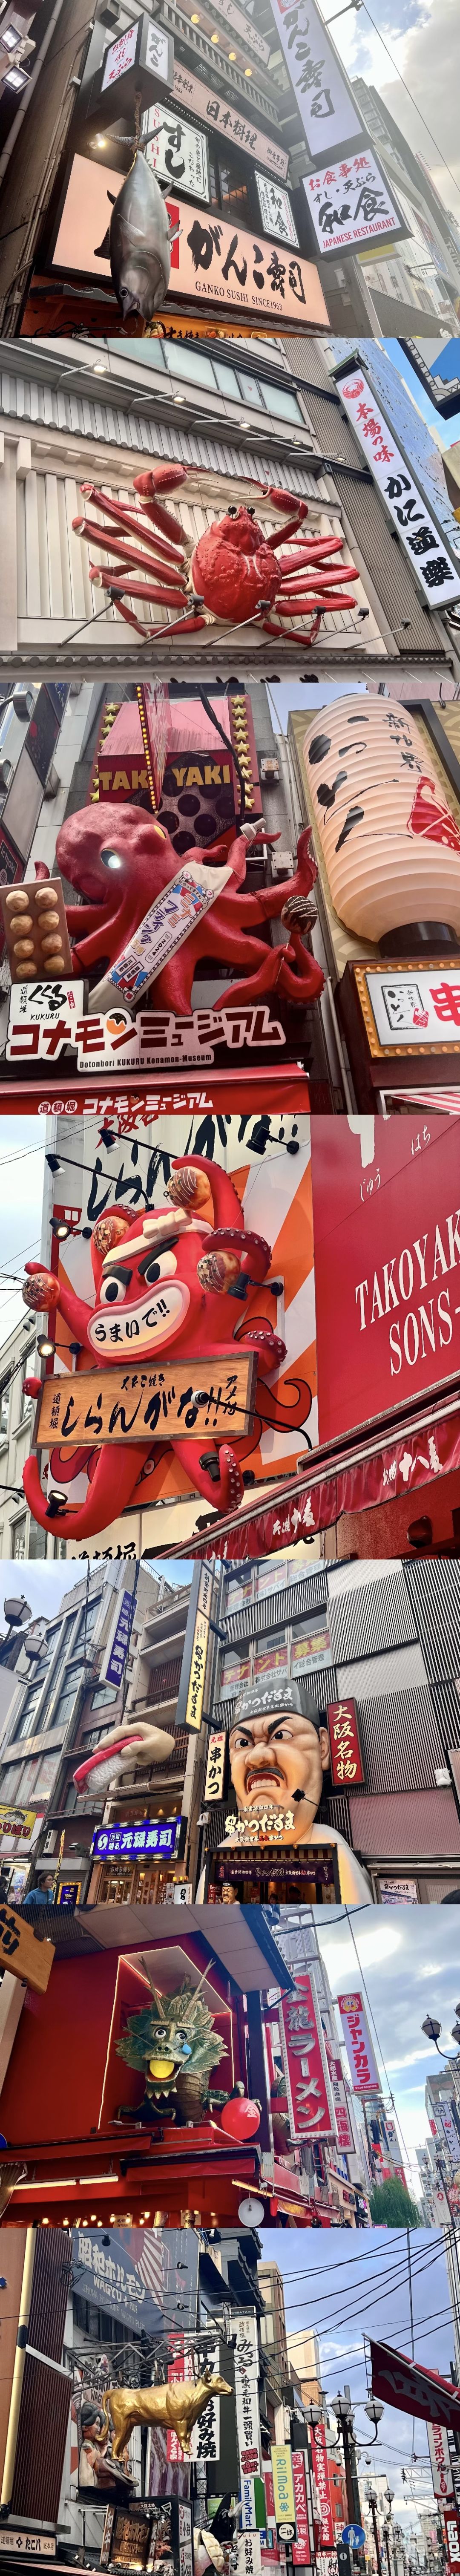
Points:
(109, 1494)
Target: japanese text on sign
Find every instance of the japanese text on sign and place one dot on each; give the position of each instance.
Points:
(434, 570)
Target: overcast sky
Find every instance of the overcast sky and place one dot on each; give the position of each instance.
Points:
(22, 1146)
(423, 38)
(347, 2286)
(408, 1960)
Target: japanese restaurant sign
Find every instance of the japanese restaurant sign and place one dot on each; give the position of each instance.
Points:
(386, 1220)
(438, 2445)
(346, 1758)
(310, 2104)
(326, 105)
(321, 2477)
(275, 210)
(177, 152)
(351, 203)
(360, 2053)
(412, 1006)
(438, 577)
(152, 1403)
(300, 2546)
(345, 2137)
(216, 1769)
(228, 121)
(212, 263)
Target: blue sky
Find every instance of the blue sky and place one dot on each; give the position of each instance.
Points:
(448, 430)
(348, 2286)
(409, 1963)
(423, 41)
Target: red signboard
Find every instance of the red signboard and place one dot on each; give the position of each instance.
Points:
(452, 2535)
(345, 2137)
(413, 2389)
(386, 1216)
(362, 2063)
(301, 2546)
(321, 2475)
(311, 2112)
(346, 1756)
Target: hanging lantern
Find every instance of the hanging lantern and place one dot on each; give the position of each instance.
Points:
(390, 842)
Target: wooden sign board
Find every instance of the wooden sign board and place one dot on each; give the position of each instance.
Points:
(185, 1402)
(20, 1951)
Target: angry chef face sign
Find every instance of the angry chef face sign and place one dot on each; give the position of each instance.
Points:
(279, 1751)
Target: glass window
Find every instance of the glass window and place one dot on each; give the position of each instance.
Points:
(26, 1721)
(188, 362)
(104, 1695)
(18, 1541)
(149, 353)
(26, 1400)
(91, 1616)
(4, 1406)
(233, 192)
(235, 1670)
(227, 380)
(10, 1781)
(271, 1657)
(251, 391)
(271, 1577)
(311, 1644)
(238, 1591)
(37, 1537)
(283, 403)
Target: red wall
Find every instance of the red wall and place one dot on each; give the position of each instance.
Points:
(58, 2069)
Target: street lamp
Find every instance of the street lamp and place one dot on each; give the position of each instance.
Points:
(374, 2410)
(343, 2409)
(432, 2031)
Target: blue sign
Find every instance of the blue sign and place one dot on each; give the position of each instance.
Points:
(354, 2536)
(132, 1841)
(120, 1642)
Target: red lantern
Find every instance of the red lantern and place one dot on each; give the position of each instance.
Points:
(241, 2119)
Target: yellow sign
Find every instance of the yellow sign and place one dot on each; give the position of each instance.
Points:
(26, 1957)
(283, 2488)
(216, 1769)
(17, 1820)
(195, 1694)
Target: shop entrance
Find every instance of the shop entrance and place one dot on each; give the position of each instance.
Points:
(268, 1880)
(121, 1884)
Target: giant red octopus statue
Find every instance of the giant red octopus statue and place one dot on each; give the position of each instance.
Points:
(166, 1281)
(119, 858)
(232, 573)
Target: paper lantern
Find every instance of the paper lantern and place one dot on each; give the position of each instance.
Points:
(241, 2119)
(390, 842)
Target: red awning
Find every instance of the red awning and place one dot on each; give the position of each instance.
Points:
(413, 2390)
(378, 1470)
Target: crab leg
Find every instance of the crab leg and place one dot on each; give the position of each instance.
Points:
(146, 485)
(299, 634)
(106, 577)
(328, 600)
(149, 634)
(129, 519)
(328, 574)
(129, 555)
(313, 552)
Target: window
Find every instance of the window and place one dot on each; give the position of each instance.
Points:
(104, 1695)
(235, 1671)
(251, 391)
(18, 1537)
(234, 196)
(26, 1721)
(4, 1408)
(9, 1782)
(188, 362)
(283, 403)
(92, 1615)
(270, 1657)
(149, 353)
(227, 380)
(26, 1400)
(37, 1539)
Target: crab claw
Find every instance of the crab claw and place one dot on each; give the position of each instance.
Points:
(284, 500)
(160, 478)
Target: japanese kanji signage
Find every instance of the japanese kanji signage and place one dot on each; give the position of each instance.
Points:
(436, 573)
(114, 1658)
(310, 2104)
(413, 1007)
(135, 1842)
(156, 1041)
(228, 121)
(322, 2483)
(438, 2445)
(152, 1403)
(21, 1953)
(360, 2053)
(387, 1266)
(346, 1759)
(214, 264)
(350, 202)
(247, 2395)
(199, 1655)
(345, 2137)
(300, 2546)
(216, 1769)
(275, 210)
(177, 152)
(325, 101)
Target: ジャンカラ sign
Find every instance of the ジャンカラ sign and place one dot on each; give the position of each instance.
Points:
(146, 1403)
(360, 2053)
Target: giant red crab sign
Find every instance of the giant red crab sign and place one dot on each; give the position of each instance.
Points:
(170, 1281)
(233, 573)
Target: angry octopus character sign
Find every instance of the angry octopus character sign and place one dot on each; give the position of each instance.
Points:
(170, 1282)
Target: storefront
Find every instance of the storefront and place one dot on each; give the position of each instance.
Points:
(139, 1862)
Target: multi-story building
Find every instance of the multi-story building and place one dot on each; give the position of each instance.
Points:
(423, 273)
(62, 1710)
(384, 1639)
(338, 2168)
(273, 2321)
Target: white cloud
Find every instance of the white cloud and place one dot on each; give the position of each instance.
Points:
(427, 56)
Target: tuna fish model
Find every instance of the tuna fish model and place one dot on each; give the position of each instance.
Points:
(140, 243)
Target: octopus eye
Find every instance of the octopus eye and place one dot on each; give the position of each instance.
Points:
(110, 859)
(113, 1290)
(161, 1268)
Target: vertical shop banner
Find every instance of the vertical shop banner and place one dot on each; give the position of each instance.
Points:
(346, 1756)
(451, 2138)
(117, 1649)
(438, 2445)
(452, 2536)
(360, 2053)
(326, 106)
(246, 2357)
(387, 1261)
(433, 568)
(301, 2552)
(310, 2103)
(345, 2139)
(283, 2485)
(322, 2482)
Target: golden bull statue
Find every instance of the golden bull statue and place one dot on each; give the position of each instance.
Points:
(177, 2407)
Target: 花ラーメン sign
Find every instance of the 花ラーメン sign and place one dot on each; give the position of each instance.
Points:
(438, 576)
(311, 2109)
